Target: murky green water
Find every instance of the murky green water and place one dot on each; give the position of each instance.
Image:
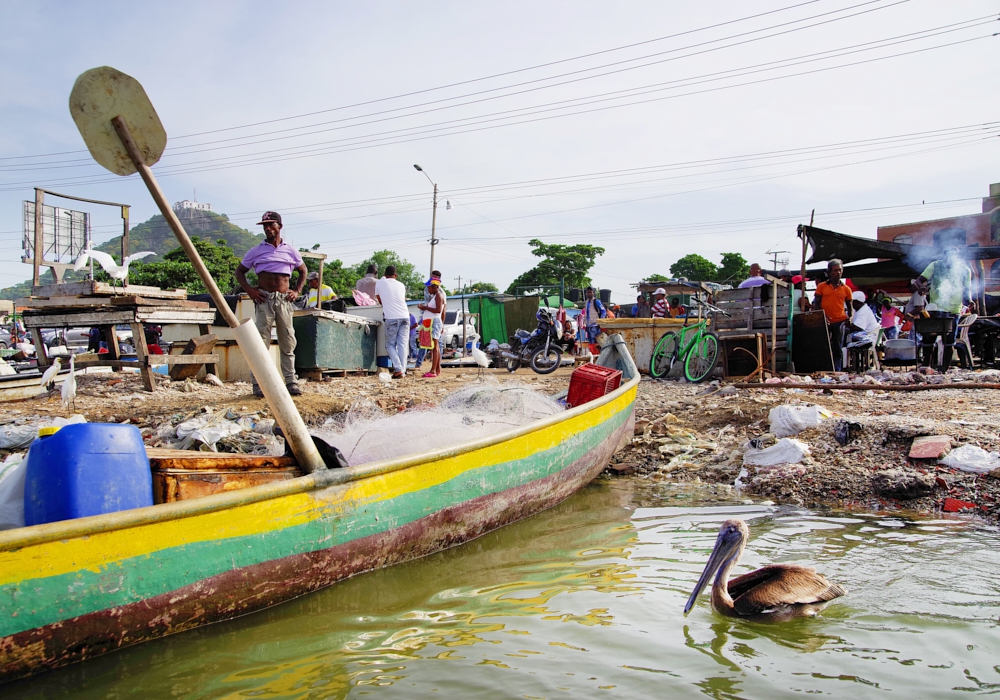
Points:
(585, 601)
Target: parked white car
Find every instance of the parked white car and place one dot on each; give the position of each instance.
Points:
(451, 332)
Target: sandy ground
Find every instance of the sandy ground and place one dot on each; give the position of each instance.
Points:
(684, 432)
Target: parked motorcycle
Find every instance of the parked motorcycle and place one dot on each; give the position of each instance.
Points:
(539, 349)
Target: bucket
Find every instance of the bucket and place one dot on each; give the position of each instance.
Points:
(86, 469)
(901, 349)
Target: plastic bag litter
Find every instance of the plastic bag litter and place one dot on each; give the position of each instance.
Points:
(12, 474)
(476, 411)
(792, 420)
(785, 451)
(21, 432)
(970, 458)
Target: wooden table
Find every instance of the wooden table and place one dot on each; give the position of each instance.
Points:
(108, 312)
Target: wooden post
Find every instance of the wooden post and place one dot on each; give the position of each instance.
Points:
(774, 326)
(142, 355)
(39, 237)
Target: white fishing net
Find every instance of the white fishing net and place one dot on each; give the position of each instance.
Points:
(365, 434)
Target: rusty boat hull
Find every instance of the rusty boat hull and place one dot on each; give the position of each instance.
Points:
(76, 589)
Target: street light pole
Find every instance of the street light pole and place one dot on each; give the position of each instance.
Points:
(434, 213)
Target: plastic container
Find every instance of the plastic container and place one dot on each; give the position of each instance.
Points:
(589, 382)
(86, 469)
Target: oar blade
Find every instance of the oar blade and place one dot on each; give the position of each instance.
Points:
(101, 94)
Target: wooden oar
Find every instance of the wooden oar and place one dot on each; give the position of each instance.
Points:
(125, 135)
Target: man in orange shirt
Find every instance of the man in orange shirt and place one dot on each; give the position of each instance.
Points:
(834, 297)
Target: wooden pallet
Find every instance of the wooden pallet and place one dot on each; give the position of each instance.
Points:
(94, 288)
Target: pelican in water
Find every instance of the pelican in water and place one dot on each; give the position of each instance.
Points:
(774, 593)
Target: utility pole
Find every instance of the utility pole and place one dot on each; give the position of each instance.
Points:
(434, 214)
(774, 258)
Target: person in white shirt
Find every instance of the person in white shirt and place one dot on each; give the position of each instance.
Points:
(391, 294)
(756, 278)
(863, 322)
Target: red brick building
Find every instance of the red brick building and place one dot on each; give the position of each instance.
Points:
(969, 230)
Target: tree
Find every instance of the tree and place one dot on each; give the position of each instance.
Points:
(569, 262)
(479, 288)
(734, 269)
(657, 278)
(339, 278)
(405, 271)
(695, 268)
(175, 270)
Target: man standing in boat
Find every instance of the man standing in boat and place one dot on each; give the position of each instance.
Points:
(273, 261)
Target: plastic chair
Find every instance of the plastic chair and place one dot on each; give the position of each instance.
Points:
(962, 340)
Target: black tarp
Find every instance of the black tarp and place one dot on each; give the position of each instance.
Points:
(827, 245)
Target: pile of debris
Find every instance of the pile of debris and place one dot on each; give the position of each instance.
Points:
(855, 449)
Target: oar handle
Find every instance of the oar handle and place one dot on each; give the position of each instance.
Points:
(247, 336)
(175, 224)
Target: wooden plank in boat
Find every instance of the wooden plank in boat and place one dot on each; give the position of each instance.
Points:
(161, 458)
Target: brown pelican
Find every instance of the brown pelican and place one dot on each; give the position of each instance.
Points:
(778, 592)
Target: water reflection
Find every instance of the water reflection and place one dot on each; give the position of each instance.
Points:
(586, 599)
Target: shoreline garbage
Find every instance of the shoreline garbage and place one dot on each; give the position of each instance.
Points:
(789, 420)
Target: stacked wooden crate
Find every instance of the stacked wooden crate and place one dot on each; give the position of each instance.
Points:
(756, 310)
(90, 304)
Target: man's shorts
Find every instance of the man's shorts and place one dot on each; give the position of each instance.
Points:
(436, 328)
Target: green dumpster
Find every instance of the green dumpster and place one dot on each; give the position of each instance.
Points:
(330, 340)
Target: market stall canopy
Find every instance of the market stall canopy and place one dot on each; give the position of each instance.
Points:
(672, 287)
(827, 245)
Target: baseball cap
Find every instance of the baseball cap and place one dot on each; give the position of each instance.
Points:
(312, 276)
(660, 290)
(798, 279)
(859, 296)
(268, 217)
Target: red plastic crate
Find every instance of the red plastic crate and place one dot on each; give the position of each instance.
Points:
(589, 382)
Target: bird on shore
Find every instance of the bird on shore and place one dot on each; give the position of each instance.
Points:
(775, 593)
(481, 359)
(115, 271)
(50, 373)
(69, 386)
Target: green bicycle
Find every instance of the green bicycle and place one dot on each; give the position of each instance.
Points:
(696, 347)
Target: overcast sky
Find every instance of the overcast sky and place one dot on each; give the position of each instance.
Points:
(653, 129)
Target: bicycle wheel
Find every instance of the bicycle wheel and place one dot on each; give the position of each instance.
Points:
(664, 355)
(702, 358)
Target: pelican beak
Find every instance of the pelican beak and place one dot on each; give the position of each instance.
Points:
(725, 547)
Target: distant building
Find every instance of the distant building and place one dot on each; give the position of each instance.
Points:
(188, 204)
(969, 230)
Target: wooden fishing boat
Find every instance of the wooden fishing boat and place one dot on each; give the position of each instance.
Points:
(75, 589)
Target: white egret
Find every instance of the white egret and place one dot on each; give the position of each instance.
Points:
(108, 264)
(69, 386)
(481, 359)
(51, 372)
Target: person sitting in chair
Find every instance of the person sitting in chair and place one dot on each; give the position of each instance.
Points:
(864, 325)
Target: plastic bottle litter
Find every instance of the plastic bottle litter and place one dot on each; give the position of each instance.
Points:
(785, 451)
(970, 458)
(792, 420)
